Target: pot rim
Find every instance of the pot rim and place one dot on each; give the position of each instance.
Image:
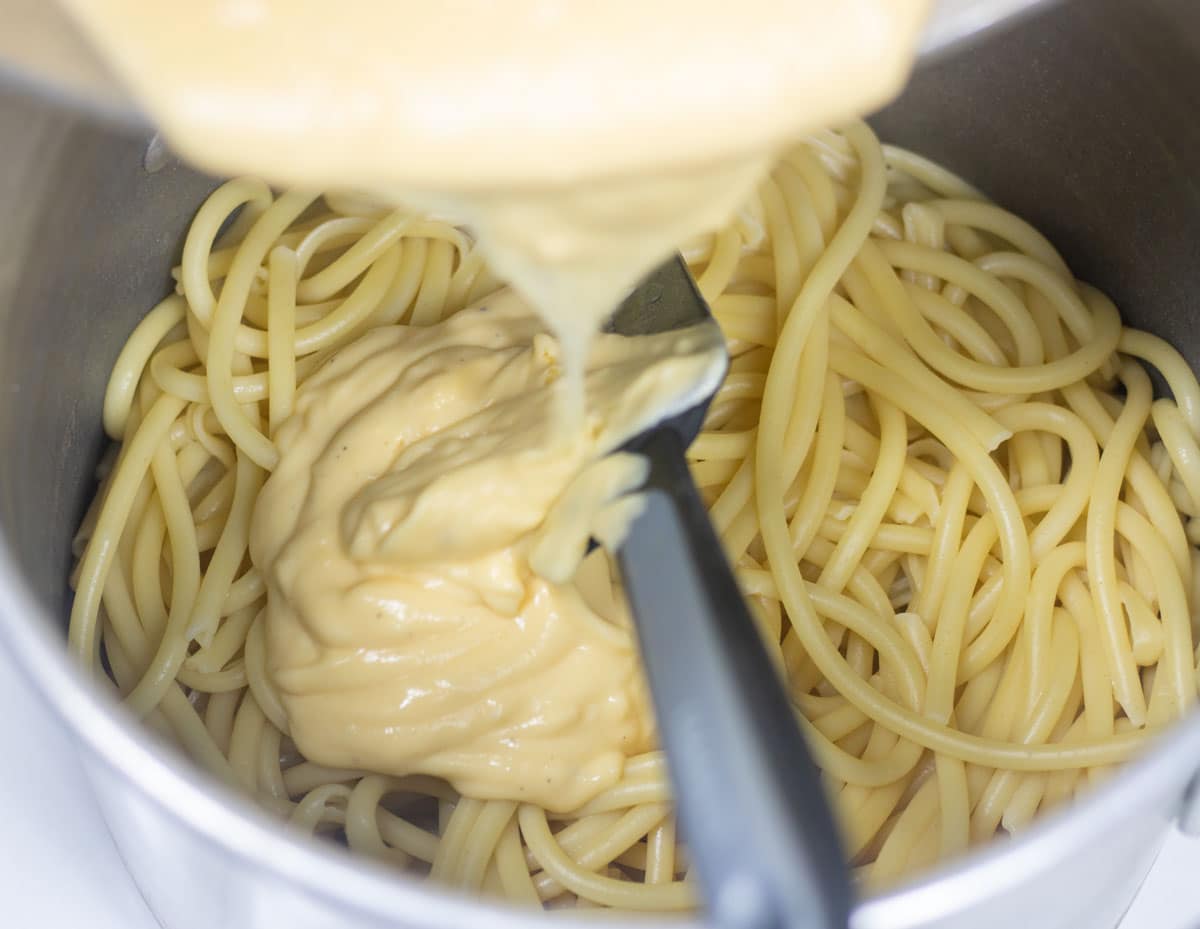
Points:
(197, 802)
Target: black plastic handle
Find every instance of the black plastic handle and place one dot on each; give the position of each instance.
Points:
(749, 797)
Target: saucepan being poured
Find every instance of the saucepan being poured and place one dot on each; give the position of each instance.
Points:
(415, 488)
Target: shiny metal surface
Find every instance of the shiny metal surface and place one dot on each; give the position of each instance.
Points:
(1082, 118)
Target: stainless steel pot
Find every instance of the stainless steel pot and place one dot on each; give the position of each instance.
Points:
(1083, 119)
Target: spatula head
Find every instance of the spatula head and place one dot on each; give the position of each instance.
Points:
(668, 299)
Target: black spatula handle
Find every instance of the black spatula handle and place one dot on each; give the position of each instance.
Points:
(749, 797)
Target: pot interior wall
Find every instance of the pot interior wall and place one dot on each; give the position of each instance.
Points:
(87, 241)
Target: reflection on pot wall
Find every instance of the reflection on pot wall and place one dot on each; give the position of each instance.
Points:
(87, 244)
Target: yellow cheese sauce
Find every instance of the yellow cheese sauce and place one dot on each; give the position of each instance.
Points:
(406, 629)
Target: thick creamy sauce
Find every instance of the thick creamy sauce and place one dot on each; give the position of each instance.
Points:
(406, 629)
(423, 477)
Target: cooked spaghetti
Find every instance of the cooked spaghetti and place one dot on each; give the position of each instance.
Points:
(965, 525)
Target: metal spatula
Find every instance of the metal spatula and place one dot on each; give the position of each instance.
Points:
(749, 797)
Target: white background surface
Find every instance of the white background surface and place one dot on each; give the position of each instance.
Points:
(63, 870)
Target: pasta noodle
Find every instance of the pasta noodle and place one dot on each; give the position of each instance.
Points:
(964, 524)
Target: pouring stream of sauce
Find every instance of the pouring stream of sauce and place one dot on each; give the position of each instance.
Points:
(582, 141)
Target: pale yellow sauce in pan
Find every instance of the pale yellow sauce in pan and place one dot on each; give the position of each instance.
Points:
(406, 629)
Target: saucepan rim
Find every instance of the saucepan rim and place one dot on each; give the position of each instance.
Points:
(233, 823)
